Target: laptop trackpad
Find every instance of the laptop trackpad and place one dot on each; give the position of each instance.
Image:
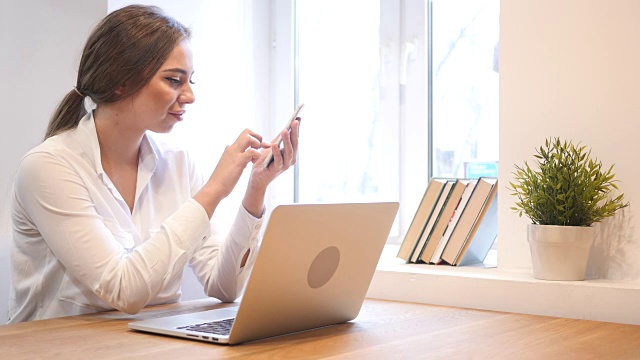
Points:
(217, 314)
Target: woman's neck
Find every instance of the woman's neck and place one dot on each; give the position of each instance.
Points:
(119, 140)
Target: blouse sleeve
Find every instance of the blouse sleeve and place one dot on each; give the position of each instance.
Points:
(217, 263)
(58, 203)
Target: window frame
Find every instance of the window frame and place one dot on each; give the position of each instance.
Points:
(403, 48)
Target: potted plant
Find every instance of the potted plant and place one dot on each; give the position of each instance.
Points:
(567, 193)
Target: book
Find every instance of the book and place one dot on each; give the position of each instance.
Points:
(459, 209)
(483, 234)
(483, 189)
(420, 218)
(428, 229)
(443, 219)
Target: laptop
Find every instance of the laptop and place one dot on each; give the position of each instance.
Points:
(313, 269)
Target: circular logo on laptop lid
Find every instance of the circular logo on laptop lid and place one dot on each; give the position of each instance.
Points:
(323, 267)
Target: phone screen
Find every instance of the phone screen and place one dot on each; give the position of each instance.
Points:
(269, 158)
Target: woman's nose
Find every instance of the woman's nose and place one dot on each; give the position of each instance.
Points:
(187, 95)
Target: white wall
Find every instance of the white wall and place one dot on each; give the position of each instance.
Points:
(569, 68)
(41, 45)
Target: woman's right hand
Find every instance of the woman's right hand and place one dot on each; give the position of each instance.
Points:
(225, 176)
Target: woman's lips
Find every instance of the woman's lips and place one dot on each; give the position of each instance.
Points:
(177, 114)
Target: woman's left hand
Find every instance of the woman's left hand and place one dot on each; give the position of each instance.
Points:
(261, 177)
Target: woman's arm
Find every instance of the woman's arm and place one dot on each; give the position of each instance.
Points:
(58, 202)
(260, 178)
(220, 263)
(235, 253)
(229, 169)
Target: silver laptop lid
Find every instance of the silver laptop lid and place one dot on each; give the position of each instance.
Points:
(314, 267)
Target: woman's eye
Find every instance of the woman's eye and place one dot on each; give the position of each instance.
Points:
(173, 80)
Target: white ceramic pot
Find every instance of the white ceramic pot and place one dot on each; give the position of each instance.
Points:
(560, 252)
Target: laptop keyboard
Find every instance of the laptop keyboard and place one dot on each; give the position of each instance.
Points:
(219, 327)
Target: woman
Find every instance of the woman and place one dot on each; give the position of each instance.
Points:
(104, 217)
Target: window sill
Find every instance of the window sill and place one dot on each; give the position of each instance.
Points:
(507, 291)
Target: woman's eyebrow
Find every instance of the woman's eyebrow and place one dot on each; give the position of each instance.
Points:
(178, 70)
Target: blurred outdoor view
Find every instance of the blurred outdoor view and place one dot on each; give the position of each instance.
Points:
(351, 156)
(465, 35)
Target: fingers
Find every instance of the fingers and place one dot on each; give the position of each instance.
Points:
(277, 157)
(249, 139)
(246, 148)
(295, 133)
(291, 145)
(287, 156)
(252, 155)
(249, 143)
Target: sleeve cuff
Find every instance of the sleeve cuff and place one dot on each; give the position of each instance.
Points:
(246, 227)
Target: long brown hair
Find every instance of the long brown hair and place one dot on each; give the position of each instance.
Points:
(127, 47)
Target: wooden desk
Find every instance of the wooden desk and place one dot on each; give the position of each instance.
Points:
(383, 330)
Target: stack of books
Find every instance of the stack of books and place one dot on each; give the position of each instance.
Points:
(456, 223)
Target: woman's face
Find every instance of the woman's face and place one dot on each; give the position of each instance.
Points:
(161, 103)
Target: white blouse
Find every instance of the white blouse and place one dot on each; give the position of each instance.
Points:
(77, 248)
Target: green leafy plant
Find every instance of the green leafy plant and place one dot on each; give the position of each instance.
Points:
(569, 188)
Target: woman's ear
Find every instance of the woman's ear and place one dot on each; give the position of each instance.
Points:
(120, 90)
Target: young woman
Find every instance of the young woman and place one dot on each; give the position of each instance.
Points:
(104, 217)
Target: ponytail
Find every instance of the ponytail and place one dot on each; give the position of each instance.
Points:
(67, 115)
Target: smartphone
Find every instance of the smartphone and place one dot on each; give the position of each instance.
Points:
(278, 140)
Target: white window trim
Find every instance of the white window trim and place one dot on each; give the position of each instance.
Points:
(282, 91)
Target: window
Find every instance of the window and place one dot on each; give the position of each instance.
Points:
(355, 152)
(395, 92)
(464, 43)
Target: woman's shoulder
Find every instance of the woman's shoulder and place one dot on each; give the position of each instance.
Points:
(55, 154)
(52, 147)
(39, 165)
